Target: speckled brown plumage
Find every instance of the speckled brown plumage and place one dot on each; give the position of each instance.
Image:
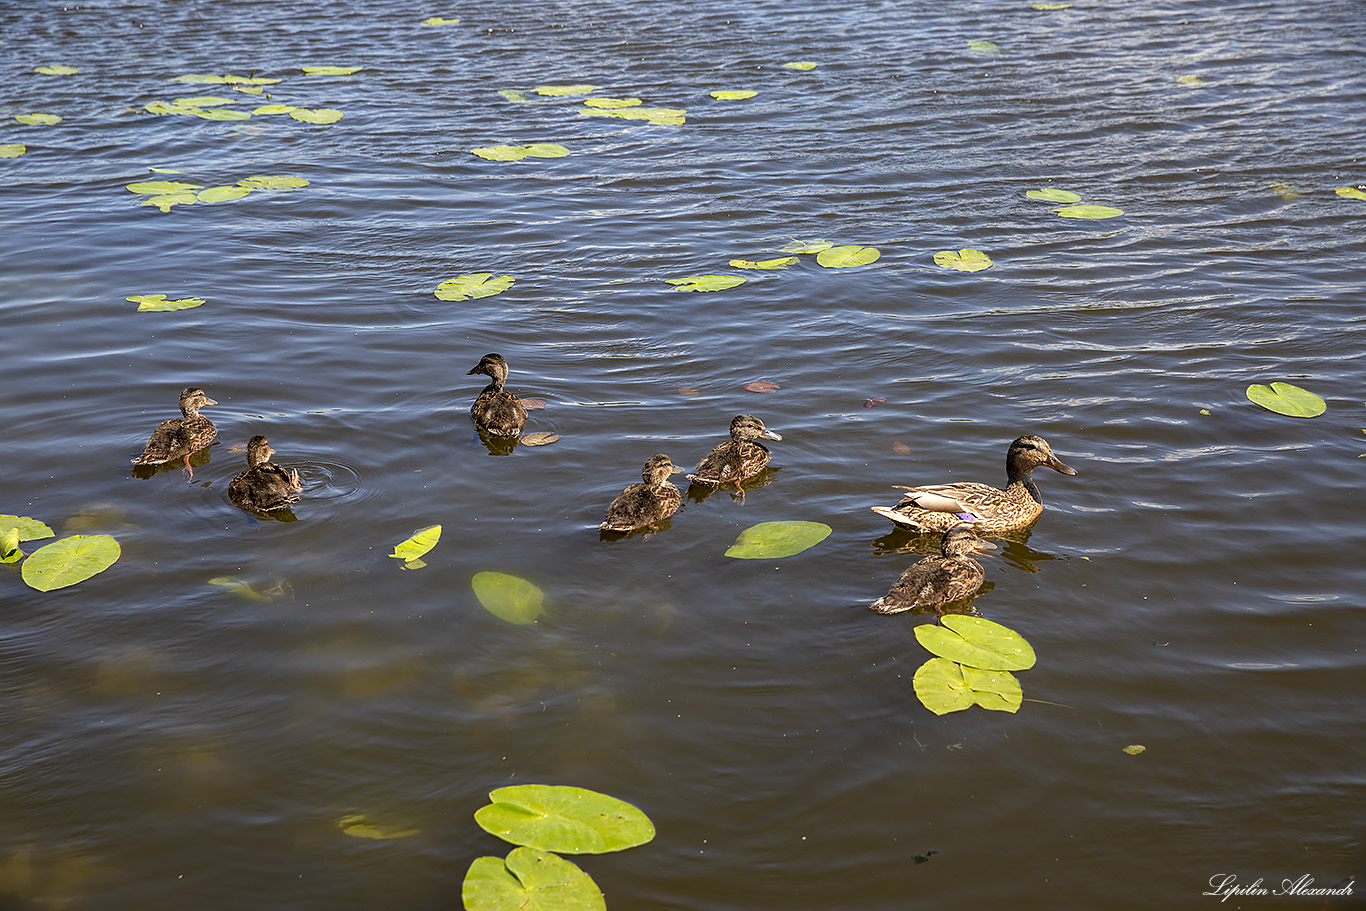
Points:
(648, 503)
(738, 459)
(182, 437)
(495, 412)
(939, 580)
(264, 486)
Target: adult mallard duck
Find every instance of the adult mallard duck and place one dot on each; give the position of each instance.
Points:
(936, 581)
(986, 509)
(739, 458)
(264, 486)
(496, 412)
(647, 504)
(182, 437)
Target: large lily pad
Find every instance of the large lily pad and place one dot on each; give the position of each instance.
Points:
(1283, 398)
(508, 598)
(977, 643)
(770, 540)
(564, 819)
(517, 153)
(847, 255)
(998, 691)
(529, 880)
(38, 120)
(945, 686)
(707, 282)
(316, 115)
(966, 260)
(70, 560)
(474, 285)
(1089, 212)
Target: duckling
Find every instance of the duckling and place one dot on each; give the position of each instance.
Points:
(182, 437)
(264, 486)
(738, 459)
(647, 504)
(496, 412)
(986, 509)
(935, 581)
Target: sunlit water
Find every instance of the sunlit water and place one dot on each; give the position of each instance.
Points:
(1195, 589)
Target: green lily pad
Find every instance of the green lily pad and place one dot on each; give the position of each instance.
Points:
(655, 116)
(1045, 7)
(159, 302)
(267, 109)
(166, 107)
(421, 541)
(12, 150)
(1351, 192)
(944, 686)
(508, 598)
(29, 529)
(733, 94)
(439, 20)
(57, 70)
(474, 285)
(707, 282)
(9, 545)
(806, 246)
(559, 91)
(272, 182)
(359, 826)
(331, 70)
(564, 819)
(234, 584)
(1053, 194)
(222, 114)
(69, 560)
(204, 101)
(38, 120)
(1134, 749)
(222, 194)
(1089, 212)
(801, 66)
(316, 115)
(781, 262)
(166, 200)
(964, 260)
(517, 153)
(201, 79)
(977, 643)
(998, 691)
(770, 540)
(847, 256)
(516, 95)
(983, 48)
(1286, 399)
(612, 103)
(159, 187)
(249, 89)
(529, 880)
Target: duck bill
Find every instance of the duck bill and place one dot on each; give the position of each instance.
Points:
(208, 401)
(982, 547)
(771, 435)
(1059, 467)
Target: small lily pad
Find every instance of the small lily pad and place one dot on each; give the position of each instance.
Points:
(1191, 79)
(529, 880)
(965, 260)
(439, 20)
(268, 109)
(272, 182)
(984, 48)
(222, 114)
(977, 643)
(516, 95)
(359, 826)
(508, 598)
(846, 256)
(781, 262)
(474, 285)
(707, 282)
(539, 439)
(517, 153)
(560, 91)
(564, 819)
(57, 70)
(801, 66)
(9, 545)
(69, 560)
(249, 89)
(159, 302)
(166, 107)
(331, 70)
(1283, 398)
(1046, 7)
(733, 94)
(38, 120)
(1053, 194)
(1089, 212)
(1351, 192)
(1134, 749)
(166, 200)
(204, 101)
(222, 194)
(160, 187)
(770, 540)
(12, 150)
(807, 246)
(421, 541)
(762, 386)
(612, 103)
(316, 115)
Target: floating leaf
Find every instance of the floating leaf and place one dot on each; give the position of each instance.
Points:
(762, 386)
(900, 448)
(612, 103)
(272, 182)
(234, 584)
(222, 114)
(164, 170)
(439, 20)
(733, 94)
(514, 95)
(1053, 194)
(1192, 80)
(200, 79)
(159, 302)
(29, 529)
(558, 91)
(316, 115)
(1286, 399)
(977, 643)
(331, 70)
(965, 260)
(159, 187)
(707, 282)
(781, 262)
(770, 540)
(873, 403)
(57, 70)
(508, 598)
(807, 246)
(9, 545)
(998, 691)
(1134, 749)
(983, 48)
(1089, 212)
(204, 101)
(44, 120)
(1050, 6)
(422, 540)
(165, 201)
(165, 107)
(1351, 192)
(656, 116)
(539, 439)
(360, 826)
(546, 150)
(222, 194)
(944, 686)
(69, 561)
(12, 150)
(474, 285)
(529, 880)
(249, 89)
(800, 65)
(267, 109)
(564, 819)
(846, 256)
(517, 153)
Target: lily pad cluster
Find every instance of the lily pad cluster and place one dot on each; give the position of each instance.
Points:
(1072, 206)
(167, 193)
(60, 564)
(217, 107)
(546, 821)
(974, 664)
(828, 255)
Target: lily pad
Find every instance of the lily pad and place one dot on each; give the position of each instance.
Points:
(539, 439)
(977, 643)
(508, 598)
(1191, 79)
(204, 101)
(422, 540)
(1089, 212)
(316, 115)
(159, 302)
(1053, 194)
(770, 540)
(965, 260)
(38, 120)
(249, 89)
(1134, 749)
(29, 529)
(612, 103)
(806, 246)
(564, 819)
(733, 94)
(272, 182)
(707, 282)
(166, 107)
(222, 114)
(267, 109)
(847, 256)
(12, 150)
(1283, 398)
(944, 686)
(359, 826)
(1351, 192)
(517, 153)
(69, 560)
(160, 187)
(331, 70)
(559, 91)
(9, 545)
(474, 285)
(781, 262)
(984, 48)
(57, 70)
(166, 200)
(801, 66)
(655, 116)
(529, 880)
(439, 20)
(762, 386)
(998, 691)
(1046, 7)
(222, 194)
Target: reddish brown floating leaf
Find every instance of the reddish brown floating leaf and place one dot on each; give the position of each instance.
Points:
(688, 390)
(873, 403)
(539, 439)
(532, 404)
(900, 448)
(762, 386)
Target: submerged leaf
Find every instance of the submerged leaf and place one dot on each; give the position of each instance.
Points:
(770, 540)
(69, 561)
(807, 246)
(508, 597)
(514, 95)
(474, 285)
(983, 48)
(36, 120)
(529, 880)
(847, 256)
(762, 386)
(359, 826)
(1191, 79)
(781, 262)
(707, 282)
(977, 643)
(1053, 194)
(316, 115)
(421, 541)
(564, 819)
(272, 182)
(234, 584)
(733, 94)
(1089, 212)
(12, 150)
(557, 91)
(965, 260)
(1283, 398)
(159, 302)
(539, 439)
(331, 70)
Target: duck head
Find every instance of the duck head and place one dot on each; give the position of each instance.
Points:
(657, 469)
(746, 427)
(493, 366)
(960, 541)
(1030, 452)
(192, 398)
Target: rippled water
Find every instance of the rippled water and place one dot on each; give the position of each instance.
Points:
(1196, 588)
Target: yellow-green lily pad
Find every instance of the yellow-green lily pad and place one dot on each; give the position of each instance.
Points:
(508, 598)
(984, 48)
(977, 642)
(167, 107)
(418, 544)
(1283, 398)
(800, 66)
(166, 200)
(56, 70)
(733, 94)
(360, 826)
(267, 109)
(517, 153)
(807, 246)
(1351, 192)
(707, 282)
(965, 260)
(529, 880)
(38, 120)
(612, 103)
(1053, 194)
(1134, 749)
(559, 91)
(159, 302)
(781, 262)
(316, 115)
(440, 20)
(771, 540)
(158, 187)
(474, 285)
(28, 529)
(331, 70)
(944, 686)
(249, 89)
(846, 256)
(222, 194)
(564, 819)
(69, 561)
(272, 182)
(222, 114)
(12, 150)
(205, 101)
(1046, 7)
(1089, 212)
